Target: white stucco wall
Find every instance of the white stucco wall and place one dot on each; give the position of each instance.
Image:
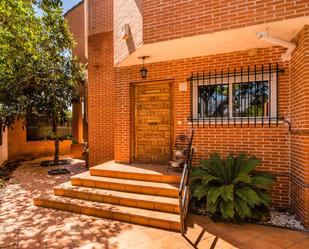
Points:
(4, 148)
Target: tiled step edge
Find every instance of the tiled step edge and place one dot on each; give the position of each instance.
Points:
(127, 214)
(159, 203)
(96, 171)
(134, 186)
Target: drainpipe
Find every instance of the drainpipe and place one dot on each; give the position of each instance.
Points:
(279, 42)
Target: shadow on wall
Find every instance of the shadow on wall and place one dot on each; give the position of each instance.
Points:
(130, 43)
(139, 5)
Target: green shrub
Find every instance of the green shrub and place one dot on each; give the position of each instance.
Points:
(233, 192)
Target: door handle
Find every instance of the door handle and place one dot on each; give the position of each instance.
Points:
(153, 123)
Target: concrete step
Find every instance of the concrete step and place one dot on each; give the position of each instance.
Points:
(151, 202)
(116, 212)
(153, 173)
(134, 186)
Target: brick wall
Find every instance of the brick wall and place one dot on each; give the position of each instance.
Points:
(76, 21)
(299, 117)
(127, 12)
(100, 16)
(3, 147)
(171, 19)
(268, 144)
(101, 98)
(20, 148)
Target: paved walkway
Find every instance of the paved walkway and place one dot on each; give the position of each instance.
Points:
(22, 225)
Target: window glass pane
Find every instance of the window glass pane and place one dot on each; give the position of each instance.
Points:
(213, 101)
(250, 99)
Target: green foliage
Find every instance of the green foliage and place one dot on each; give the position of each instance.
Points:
(38, 75)
(232, 191)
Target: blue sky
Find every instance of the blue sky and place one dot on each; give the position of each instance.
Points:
(68, 4)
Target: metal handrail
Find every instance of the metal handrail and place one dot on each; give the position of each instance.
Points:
(184, 194)
(182, 200)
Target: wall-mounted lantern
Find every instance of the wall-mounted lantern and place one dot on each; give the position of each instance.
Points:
(143, 71)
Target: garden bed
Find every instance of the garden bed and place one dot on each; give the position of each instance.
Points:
(6, 171)
(277, 218)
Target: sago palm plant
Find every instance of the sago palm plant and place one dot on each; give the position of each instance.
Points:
(233, 192)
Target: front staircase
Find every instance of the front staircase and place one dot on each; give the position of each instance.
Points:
(140, 194)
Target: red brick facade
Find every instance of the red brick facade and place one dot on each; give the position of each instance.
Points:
(268, 144)
(283, 152)
(165, 20)
(77, 17)
(299, 135)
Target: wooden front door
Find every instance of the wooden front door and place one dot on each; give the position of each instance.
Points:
(152, 126)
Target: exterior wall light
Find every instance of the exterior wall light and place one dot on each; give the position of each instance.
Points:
(143, 71)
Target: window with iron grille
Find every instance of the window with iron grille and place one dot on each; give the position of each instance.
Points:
(245, 96)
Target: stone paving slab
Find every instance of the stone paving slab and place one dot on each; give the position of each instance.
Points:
(23, 225)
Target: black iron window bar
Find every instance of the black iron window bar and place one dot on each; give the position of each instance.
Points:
(248, 96)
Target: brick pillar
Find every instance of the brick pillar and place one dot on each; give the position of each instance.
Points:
(299, 135)
(77, 123)
(101, 98)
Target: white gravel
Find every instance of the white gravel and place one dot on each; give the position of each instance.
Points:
(284, 219)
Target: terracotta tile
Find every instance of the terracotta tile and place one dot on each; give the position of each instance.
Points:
(127, 202)
(237, 237)
(161, 224)
(76, 182)
(262, 244)
(145, 204)
(61, 206)
(291, 235)
(168, 192)
(164, 207)
(96, 197)
(116, 186)
(298, 246)
(88, 210)
(218, 242)
(147, 245)
(175, 226)
(81, 195)
(69, 192)
(37, 202)
(74, 209)
(149, 190)
(58, 191)
(101, 185)
(121, 217)
(282, 242)
(305, 241)
(140, 220)
(132, 188)
(176, 209)
(103, 214)
(109, 199)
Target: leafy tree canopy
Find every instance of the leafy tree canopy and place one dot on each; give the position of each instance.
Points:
(38, 75)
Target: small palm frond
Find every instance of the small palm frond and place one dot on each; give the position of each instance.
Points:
(249, 196)
(232, 191)
(250, 165)
(263, 180)
(227, 192)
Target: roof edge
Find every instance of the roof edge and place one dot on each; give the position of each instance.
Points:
(74, 7)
